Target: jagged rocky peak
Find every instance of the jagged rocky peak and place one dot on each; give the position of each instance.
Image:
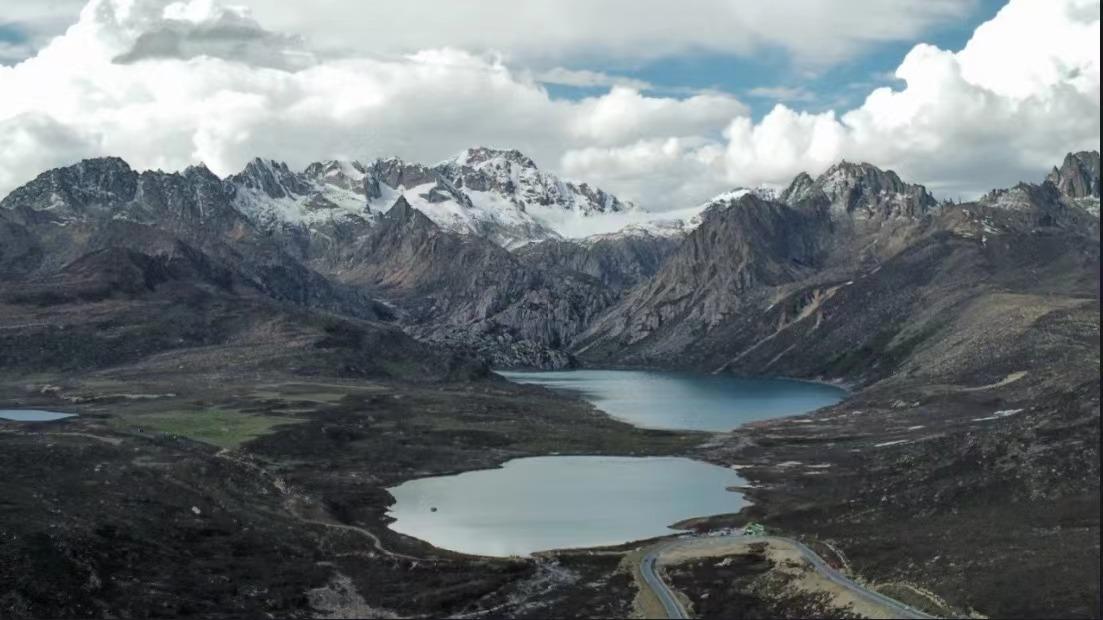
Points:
(270, 194)
(1074, 185)
(346, 174)
(860, 190)
(512, 175)
(400, 225)
(349, 175)
(90, 183)
(481, 155)
(272, 177)
(199, 172)
(403, 211)
(1078, 176)
(1022, 197)
(730, 196)
(395, 173)
(802, 187)
(193, 201)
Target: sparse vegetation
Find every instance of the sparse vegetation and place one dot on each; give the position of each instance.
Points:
(225, 428)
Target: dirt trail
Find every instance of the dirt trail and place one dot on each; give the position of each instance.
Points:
(281, 486)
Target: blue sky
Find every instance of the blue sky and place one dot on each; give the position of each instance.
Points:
(788, 85)
(841, 86)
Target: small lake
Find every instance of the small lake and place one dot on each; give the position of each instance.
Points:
(32, 415)
(556, 502)
(686, 401)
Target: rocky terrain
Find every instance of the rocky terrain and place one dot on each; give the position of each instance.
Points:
(499, 195)
(256, 358)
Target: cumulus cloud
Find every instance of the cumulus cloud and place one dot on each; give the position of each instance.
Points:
(589, 79)
(26, 27)
(663, 174)
(169, 105)
(205, 29)
(221, 89)
(782, 93)
(1021, 93)
(551, 32)
(816, 33)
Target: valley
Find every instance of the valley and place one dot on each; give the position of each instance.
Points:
(256, 360)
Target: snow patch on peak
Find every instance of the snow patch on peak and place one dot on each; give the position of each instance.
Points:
(498, 194)
(763, 193)
(481, 156)
(269, 193)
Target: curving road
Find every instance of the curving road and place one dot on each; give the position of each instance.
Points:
(674, 608)
(666, 596)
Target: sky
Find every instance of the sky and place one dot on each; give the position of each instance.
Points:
(663, 103)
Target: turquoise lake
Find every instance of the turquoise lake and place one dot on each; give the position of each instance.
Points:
(32, 415)
(677, 401)
(557, 502)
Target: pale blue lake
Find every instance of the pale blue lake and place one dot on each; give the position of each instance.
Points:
(686, 401)
(557, 502)
(32, 415)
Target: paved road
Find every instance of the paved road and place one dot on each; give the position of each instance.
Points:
(674, 608)
(666, 596)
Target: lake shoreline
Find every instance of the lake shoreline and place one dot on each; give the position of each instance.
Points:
(604, 391)
(709, 403)
(546, 503)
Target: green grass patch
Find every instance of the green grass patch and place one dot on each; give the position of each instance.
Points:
(218, 427)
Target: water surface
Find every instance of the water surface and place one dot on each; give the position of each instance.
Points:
(32, 415)
(677, 400)
(558, 502)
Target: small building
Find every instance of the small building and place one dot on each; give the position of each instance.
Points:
(754, 529)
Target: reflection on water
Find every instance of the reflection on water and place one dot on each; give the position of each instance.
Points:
(674, 400)
(558, 502)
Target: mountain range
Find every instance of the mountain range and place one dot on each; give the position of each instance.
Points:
(968, 333)
(475, 254)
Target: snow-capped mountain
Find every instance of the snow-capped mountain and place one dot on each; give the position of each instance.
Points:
(498, 194)
(269, 193)
(859, 191)
(489, 175)
(681, 222)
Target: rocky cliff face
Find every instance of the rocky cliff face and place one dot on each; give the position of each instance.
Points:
(117, 266)
(515, 177)
(862, 191)
(428, 241)
(1078, 176)
(618, 261)
(469, 293)
(328, 238)
(841, 276)
(970, 330)
(1077, 181)
(499, 195)
(741, 247)
(103, 204)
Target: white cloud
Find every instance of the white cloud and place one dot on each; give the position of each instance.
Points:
(554, 30)
(1021, 93)
(169, 107)
(26, 27)
(11, 53)
(960, 121)
(782, 93)
(589, 79)
(662, 173)
(625, 115)
(549, 32)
